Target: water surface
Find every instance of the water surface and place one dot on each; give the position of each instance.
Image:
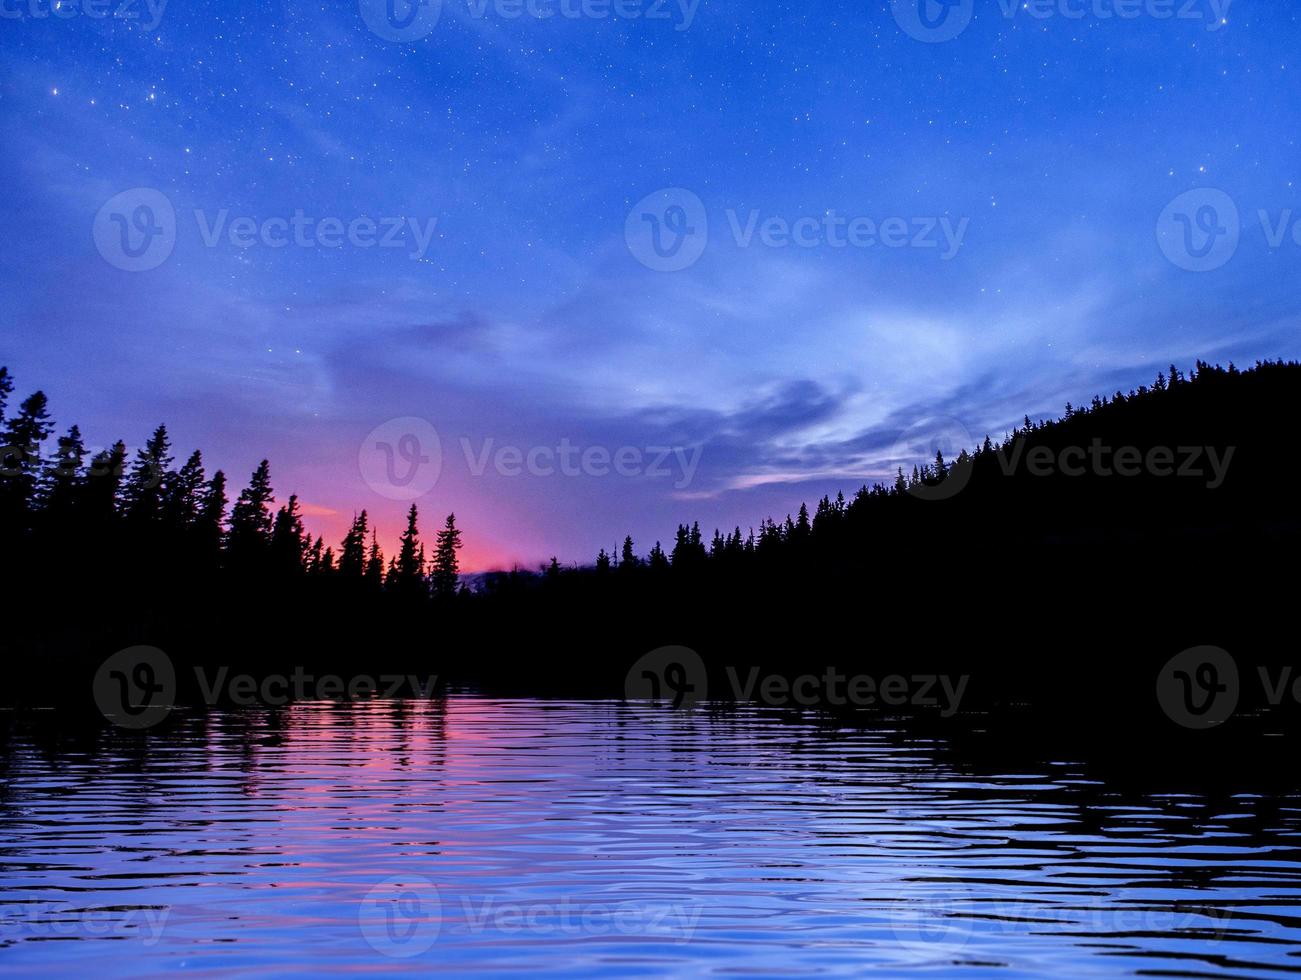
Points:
(509, 837)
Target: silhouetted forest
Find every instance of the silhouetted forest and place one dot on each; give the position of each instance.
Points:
(1064, 558)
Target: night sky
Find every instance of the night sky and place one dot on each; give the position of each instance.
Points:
(612, 261)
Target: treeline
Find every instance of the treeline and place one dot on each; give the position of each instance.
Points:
(978, 564)
(1218, 411)
(1067, 579)
(68, 502)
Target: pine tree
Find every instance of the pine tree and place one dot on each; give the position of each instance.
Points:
(352, 554)
(251, 519)
(375, 565)
(447, 566)
(6, 389)
(144, 491)
(210, 526)
(62, 481)
(288, 538)
(801, 529)
(658, 561)
(103, 485)
(315, 557)
(185, 495)
(628, 557)
(20, 465)
(408, 578)
(602, 562)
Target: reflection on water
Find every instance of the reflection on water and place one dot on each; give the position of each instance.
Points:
(573, 838)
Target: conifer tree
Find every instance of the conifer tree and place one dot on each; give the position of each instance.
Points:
(185, 495)
(408, 578)
(20, 465)
(144, 488)
(251, 518)
(288, 538)
(62, 480)
(6, 389)
(352, 555)
(374, 564)
(447, 565)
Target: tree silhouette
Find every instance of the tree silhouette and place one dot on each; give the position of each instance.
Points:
(352, 554)
(447, 566)
(143, 492)
(21, 462)
(250, 520)
(288, 539)
(408, 578)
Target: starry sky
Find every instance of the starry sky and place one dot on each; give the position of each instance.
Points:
(555, 162)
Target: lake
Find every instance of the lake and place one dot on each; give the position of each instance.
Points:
(563, 838)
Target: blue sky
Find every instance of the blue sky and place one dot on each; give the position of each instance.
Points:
(1054, 138)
